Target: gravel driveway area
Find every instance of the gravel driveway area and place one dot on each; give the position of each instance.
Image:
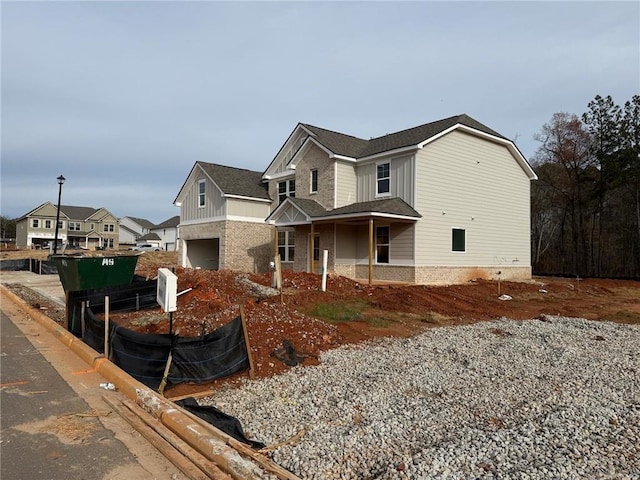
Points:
(549, 398)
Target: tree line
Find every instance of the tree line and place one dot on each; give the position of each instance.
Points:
(585, 206)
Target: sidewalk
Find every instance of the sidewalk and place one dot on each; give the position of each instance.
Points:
(55, 423)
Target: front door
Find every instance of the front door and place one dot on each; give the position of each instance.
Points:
(315, 266)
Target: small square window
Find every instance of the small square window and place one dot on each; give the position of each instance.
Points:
(458, 240)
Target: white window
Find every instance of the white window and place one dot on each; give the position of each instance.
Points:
(314, 181)
(35, 223)
(109, 227)
(286, 189)
(74, 226)
(458, 240)
(48, 224)
(286, 245)
(383, 178)
(382, 244)
(201, 193)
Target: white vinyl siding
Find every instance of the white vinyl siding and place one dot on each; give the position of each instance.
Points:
(215, 205)
(401, 182)
(237, 207)
(468, 183)
(346, 184)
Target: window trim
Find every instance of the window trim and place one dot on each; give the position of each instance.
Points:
(288, 190)
(387, 245)
(202, 193)
(48, 224)
(387, 178)
(35, 223)
(288, 246)
(313, 173)
(453, 240)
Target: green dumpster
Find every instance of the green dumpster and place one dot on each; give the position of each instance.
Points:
(93, 272)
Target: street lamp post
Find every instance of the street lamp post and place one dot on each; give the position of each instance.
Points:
(61, 180)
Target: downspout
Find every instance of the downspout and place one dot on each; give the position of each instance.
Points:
(370, 251)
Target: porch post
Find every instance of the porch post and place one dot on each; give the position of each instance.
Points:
(275, 241)
(370, 251)
(310, 255)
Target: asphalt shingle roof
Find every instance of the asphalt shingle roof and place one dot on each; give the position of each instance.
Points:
(236, 181)
(391, 206)
(354, 147)
(169, 223)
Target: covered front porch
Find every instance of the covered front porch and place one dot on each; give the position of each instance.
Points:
(367, 240)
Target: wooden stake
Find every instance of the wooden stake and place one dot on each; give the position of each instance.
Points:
(163, 383)
(246, 342)
(82, 312)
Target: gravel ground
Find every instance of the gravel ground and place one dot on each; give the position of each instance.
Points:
(550, 398)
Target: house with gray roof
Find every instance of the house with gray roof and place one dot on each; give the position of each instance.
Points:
(444, 202)
(222, 219)
(167, 233)
(82, 227)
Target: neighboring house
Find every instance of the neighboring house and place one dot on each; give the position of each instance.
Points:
(222, 219)
(167, 233)
(151, 239)
(132, 229)
(83, 227)
(444, 202)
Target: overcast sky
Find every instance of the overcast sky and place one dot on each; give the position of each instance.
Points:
(122, 98)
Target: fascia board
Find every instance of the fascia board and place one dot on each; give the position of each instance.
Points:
(242, 197)
(365, 215)
(410, 148)
(276, 176)
(178, 198)
(299, 126)
(298, 155)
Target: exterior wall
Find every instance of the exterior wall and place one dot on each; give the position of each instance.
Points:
(244, 246)
(315, 158)
(248, 209)
(469, 183)
(457, 275)
(133, 225)
(401, 174)
(214, 207)
(346, 184)
(386, 273)
(168, 237)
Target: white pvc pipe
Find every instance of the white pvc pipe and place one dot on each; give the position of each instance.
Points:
(325, 257)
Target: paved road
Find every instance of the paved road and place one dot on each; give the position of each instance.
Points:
(54, 423)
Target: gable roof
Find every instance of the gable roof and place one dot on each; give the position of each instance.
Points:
(231, 181)
(236, 181)
(354, 147)
(143, 222)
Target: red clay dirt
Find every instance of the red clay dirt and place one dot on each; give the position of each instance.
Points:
(299, 314)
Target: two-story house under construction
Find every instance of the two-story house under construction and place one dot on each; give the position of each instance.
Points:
(443, 202)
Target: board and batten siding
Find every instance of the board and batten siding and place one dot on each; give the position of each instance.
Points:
(215, 205)
(401, 173)
(465, 182)
(346, 184)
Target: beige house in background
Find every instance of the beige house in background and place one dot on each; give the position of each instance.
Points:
(80, 227)
(444, 202)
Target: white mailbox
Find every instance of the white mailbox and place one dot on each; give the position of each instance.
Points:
(167, 292)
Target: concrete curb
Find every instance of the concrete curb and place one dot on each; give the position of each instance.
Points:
(226, 452)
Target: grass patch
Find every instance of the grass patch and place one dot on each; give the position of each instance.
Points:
(340, 311)
(434, 318)
(624, 316)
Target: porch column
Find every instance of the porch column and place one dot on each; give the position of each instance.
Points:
(310, 254)
(370, 251)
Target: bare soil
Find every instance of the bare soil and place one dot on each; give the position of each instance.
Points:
(349, 311)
